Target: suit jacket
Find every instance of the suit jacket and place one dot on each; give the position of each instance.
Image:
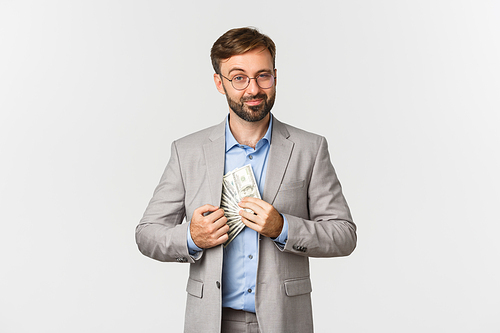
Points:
(301, 184)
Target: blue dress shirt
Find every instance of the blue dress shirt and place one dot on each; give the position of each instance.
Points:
(239, 269)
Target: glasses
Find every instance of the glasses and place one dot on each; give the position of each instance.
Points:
(241, 81)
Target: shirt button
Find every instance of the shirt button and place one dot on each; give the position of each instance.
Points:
(249, 291)
(250, 157)
(250, 256)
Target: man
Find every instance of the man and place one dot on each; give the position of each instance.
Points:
(260, 281)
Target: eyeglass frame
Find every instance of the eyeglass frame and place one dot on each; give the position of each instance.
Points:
(249, 79)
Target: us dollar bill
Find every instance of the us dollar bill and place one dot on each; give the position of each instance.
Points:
(236, 185)
(245, 182)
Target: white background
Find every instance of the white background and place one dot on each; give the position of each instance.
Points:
(407, 93)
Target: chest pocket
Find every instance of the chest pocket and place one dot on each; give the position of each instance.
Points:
(292, 185)
(292, 198)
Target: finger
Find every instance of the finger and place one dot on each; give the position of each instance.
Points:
(253, 206)
(250, 216)
(215, 215)
(220, 222)
(221, 231)
(251, 225)
(222, 239)
(204, 209)
(257, 201)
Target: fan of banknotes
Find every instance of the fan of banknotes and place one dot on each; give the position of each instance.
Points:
(236, 185)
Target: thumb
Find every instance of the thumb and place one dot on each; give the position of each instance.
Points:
(207, 209)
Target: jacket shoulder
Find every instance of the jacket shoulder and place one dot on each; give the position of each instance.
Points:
(197, 139)
(298, 135)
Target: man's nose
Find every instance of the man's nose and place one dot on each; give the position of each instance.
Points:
(253, 88)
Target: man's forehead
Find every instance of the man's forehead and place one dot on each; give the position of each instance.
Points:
(256, 57)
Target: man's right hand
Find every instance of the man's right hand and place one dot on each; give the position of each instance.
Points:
(208, 226)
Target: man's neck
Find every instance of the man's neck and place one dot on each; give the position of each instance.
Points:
(248, 133)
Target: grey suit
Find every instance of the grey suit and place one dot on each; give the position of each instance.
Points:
(301, 184)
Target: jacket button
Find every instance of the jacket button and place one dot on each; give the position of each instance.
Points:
(217, 283)
(299, 248)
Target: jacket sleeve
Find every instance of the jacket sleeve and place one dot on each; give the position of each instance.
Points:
(330, 230)
(161, 235)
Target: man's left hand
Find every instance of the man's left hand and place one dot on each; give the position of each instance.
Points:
(266, 220)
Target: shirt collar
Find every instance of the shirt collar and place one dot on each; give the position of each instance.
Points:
(231, 141)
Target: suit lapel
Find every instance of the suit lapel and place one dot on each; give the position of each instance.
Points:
(215, 153)
(279, 155)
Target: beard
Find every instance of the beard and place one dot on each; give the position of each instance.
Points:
(252, 113)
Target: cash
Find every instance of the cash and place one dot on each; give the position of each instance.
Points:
(236, 185)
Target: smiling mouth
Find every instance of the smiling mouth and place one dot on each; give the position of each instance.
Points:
(253, 102)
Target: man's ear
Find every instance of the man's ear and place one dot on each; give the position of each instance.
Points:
(218, 83)
(275, 77)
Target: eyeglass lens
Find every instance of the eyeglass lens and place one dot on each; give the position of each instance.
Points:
(241, 81)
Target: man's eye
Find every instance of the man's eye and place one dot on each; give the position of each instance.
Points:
(239, 78)
(264, 76)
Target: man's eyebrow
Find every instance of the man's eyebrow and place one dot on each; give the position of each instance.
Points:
(235, 69)
(242, 70)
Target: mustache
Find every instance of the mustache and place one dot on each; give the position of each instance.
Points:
(258, 96)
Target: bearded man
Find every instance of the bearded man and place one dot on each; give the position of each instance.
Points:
(256, 278)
